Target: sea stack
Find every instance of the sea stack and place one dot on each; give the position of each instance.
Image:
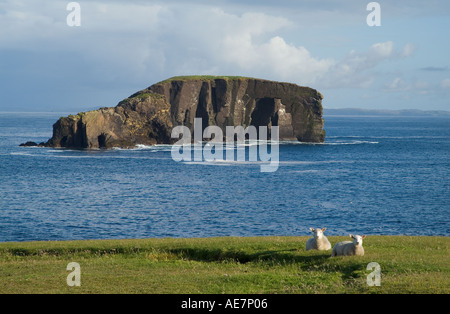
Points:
(148, 116)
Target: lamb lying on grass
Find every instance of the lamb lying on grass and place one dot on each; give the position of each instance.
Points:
(346, 248)
(318, 241)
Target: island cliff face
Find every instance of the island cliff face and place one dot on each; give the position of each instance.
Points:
(148, 116)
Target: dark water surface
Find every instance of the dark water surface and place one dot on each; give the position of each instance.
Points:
(374, 175)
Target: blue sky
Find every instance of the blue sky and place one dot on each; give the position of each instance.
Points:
(125, 46)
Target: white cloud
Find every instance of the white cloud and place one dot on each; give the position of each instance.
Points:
(292, 62)
(445, 83)
(274, 58)
(356, 68)
(408, 50)
(243, 44)
(137, 39)
(397, 85)
(382, 50)
(134, 45)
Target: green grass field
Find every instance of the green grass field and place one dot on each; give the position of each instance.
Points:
(224, 265)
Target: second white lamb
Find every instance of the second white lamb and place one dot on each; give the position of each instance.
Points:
(347, 248)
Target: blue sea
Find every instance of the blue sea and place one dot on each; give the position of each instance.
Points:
(383, 175)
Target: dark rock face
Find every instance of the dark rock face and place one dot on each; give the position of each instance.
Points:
(148, 116)
(29, 144)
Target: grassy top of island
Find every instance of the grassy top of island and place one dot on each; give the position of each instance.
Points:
(204, 78)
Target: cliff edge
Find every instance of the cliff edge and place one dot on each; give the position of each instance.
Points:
(148, 116)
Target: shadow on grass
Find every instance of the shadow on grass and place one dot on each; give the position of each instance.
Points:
(70, 251)
(348, 268)
(287, 256)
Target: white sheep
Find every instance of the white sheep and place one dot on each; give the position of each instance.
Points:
(346, 248)
(319, 241)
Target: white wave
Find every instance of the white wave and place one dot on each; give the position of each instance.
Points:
(247, 162)
(410, 137)
(236, 145)
(148, 148)
(22, 154)
(386, 137)
(351, 143)
(203, 163)
(158, 147)
(224, 162)
(87, 156)
(53, 151)
(305, 171)
(302, 162)
(327, 143)
(345, 136)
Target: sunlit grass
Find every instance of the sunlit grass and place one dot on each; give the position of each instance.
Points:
(224, 265)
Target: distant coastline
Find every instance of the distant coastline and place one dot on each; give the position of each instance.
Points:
(377, 112)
